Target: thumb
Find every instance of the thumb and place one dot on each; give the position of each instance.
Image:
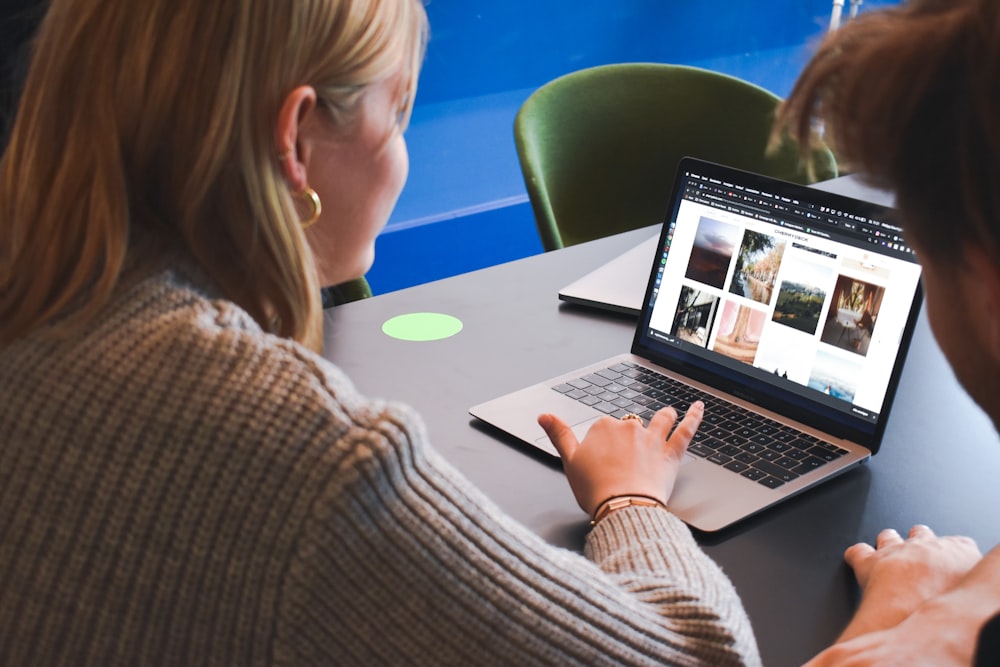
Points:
(560, 434)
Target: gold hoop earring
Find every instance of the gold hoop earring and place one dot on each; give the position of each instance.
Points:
(317, 207)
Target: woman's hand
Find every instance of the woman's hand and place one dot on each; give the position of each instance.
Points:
(622, 457)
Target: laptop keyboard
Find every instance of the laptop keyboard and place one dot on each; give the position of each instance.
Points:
(741, 441)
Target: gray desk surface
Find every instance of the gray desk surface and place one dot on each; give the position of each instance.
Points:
(938, 464)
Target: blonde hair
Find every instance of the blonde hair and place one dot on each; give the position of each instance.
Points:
(160, 116)
(908, 98)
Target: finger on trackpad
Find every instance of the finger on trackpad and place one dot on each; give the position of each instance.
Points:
(579, 430)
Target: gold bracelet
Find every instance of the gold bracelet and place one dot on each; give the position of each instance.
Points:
(621, 502)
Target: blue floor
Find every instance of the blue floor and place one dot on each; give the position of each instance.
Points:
(464, 206)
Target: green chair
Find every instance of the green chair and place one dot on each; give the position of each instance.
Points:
(352, 290)
(599, 147)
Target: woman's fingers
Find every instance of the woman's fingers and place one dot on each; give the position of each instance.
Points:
(560, 434)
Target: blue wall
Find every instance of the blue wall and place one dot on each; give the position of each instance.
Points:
(480, 47)
(464, 205)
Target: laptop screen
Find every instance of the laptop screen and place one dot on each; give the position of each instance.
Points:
(799, 300)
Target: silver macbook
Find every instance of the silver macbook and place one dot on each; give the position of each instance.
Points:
(617, 285)
(787, 309)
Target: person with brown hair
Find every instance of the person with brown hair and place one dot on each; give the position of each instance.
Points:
(909, 97)
(183, 479)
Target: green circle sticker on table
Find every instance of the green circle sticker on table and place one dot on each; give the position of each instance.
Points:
(422, 326)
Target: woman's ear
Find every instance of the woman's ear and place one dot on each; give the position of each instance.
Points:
(291, 144)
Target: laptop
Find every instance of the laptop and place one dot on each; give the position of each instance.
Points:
(620, 284)
(787, 309)
(617, 286)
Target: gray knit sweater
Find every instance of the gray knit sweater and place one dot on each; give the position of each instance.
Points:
(178, 487)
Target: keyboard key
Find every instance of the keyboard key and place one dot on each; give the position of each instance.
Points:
(787, 463)
(801, 443)
(825, 454)
(729, 450)
(716, 457)
(770, 482)
(597, 379)
(714, 443)
(735, 466)
(698, 449)
(808, 465)
(776, 471)
(753, 474)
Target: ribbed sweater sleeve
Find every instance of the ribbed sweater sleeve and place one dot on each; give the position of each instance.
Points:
(404, 562)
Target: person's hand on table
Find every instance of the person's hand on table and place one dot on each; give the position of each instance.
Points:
(897, 576)
(623, 457)
(914, 607)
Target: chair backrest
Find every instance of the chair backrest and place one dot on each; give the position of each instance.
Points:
(352, 290)
(599, 147)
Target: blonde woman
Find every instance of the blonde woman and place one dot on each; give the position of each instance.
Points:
(183, 480)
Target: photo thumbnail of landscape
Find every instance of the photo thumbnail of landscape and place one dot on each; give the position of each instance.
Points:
(714, 246)
(802, 294)
(757, 264)
(835, 376)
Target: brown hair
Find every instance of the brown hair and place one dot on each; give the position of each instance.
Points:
(161, 115)
(909, 96)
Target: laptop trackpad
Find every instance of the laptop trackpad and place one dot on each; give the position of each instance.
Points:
(580, 430)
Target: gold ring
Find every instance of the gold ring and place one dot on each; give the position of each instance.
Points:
(632, 415)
